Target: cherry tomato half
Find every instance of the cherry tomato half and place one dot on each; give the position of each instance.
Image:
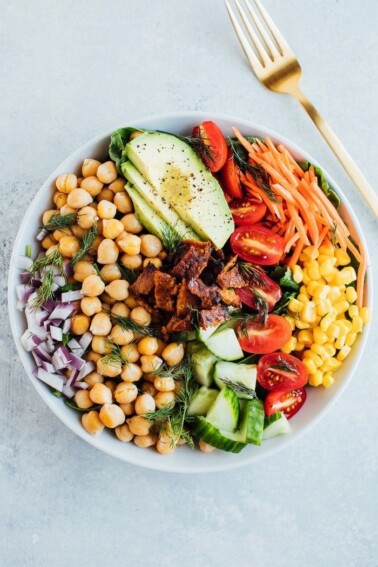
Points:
(257, 244)
(259, 337)
(230, 178)
(262, 292)
(214, 154)
(289, 402)
(280, 371)
(247, 211)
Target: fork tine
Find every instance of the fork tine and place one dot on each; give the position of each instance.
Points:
(271, 47)
(253, 60)
(255, 40)
(280, 40)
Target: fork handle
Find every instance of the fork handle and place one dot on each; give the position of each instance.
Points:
(341, 153)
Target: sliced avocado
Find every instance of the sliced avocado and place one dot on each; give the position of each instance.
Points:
(179, 176)
(146, 215)
(154, 200)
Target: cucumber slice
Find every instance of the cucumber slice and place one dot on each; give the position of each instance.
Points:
(276, 424)
(203, 365)
(224, 412)
(193, 346)
(202, 400)
(215, 437)
(255, 422)
(225, 345)
(244, 374)
(204, 334)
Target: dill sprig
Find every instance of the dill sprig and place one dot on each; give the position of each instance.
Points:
(239, 387)
(86, 244)
(53, 259)
(200, 145)
(171, 239)
(46, 290)
(58, 221)
(252, 273)
(284, 366)
(129, 325)
(128, 274)
(115, 358)
(245, 319)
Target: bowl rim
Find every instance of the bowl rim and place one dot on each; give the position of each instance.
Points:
(164, 466)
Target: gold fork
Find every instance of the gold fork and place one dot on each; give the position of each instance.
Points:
(276, 66)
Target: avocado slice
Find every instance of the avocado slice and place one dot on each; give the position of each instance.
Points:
(146, 215)
(156, 202)
(178, 175)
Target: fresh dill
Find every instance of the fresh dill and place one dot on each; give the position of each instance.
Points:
(239, 387)
(171, 239)
(200, 145)
(127, 324)
(284, 366)
(247, 319)
(53, 259)
(254, 274)
(115, 358)
(58, 221)
(86, 245)
(128, 274)
(46, 289)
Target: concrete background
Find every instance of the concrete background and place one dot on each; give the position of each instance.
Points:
(71, 70)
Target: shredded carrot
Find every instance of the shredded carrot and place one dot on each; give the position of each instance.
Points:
(297, 252)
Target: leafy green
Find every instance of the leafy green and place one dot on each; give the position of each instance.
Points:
(72, 404)
(70, 287)
(56, 393)
(67, 337)
(128, 274)
(118, 141)
(328, 191)
(284, 277)
(281, 306)
(251, 359)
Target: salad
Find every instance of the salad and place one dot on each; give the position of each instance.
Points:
(190, 289)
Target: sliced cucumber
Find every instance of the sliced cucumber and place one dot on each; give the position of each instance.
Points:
(224, 344)
(202, 400)
(255, 422)
(193, 346)
(224, 412)
(204, 334)
(203, 366)
(243, 374)
(215, 437)
(276, 424)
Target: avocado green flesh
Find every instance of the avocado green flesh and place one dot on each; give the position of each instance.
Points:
(178, 175)
(146, 215)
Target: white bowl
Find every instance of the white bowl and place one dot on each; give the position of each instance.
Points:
(184, 459)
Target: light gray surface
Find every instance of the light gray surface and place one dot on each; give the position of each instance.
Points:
(71, 70)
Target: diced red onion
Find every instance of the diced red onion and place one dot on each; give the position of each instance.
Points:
(87, 369)
(27, 340)
(76, 361)
(42, 352)
(48, 305)
(51, 379)
(20, 306)
(25, 278)
(66, 326)
(58, 361)
(37, 359)
(56, 333)
(68, 269)
(68, 391)
(73, 295)
(64, 353)
(60, 281)
(72, 379)
(48, 367)
(23, 292)
(86, 340)
(62, 311)
(40, 316)
(24, 263)
(81, 385)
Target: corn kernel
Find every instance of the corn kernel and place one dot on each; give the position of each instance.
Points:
(320, 337)
(327, 320)
(341, 306)
(344, 324)
(330, 278)
(353, 311)
(295, 306)
(323, 308)
(311, 253)
(306, 277)
(365, 315)
(346, 276)
(303, 289)
(301, 324)
(328, 380)
(330, 349)
(297, 274)
(330, 364)
(333, 331)
(299, 346)
(343, 353)
(342, 257)
(350, 294)
(327, 249)
(319, 350)
(316, 379)
(350, 339)
(308, 312)
(305, 337)
(310, 365)
(314, 272)
(326, 267)
(340, 342)
(321, 291)
(290, 345)
(303, 298)
(312, 286)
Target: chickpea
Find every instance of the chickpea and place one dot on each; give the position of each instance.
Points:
(123, 203)
(90, 167)
(96, 244)
(101, 394)
(151, 245)
(130, 353)
(92, 185)
(132, 262)
(83, 269)
(121, 336)
(93, 378)
(131, 302)
(66, 183)
(93, 286)
(93, 356)
(78, 231)
(165, 446)
(111, 385)
(107, 301)
(164, 384)
(78, 198)
(101, 346)
(106, 210)
(130, 244)
(86, 217)
(131, 223)
(205, 447)
(161, 347)
(148, 388)
(118, 289)
(51, 249)
(58, 234)
(145, 441)
(117, 186)
(80, 324)
(68, 246)
(90, 305)
(123, 433)
(140, 316)
(48, 241)
(82, 399)
(66, 210)
(173, 353)
(109, 369)
(59, 199)
(148, 345)
(107, 172)
(107, 252)
(131, 372)
(92, 423)
(126, 392)
(112, 228)
(111, 415)
(139, 425)
(120, 309)
(150, 363)
(105, 195)
(101, 325)
(110, 272)
(154, 261)
(128, 409)
(164, 399)
(47, 215)
(144, 403)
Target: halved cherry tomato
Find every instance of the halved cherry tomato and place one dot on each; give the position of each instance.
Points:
(215, 154)
(247, 211)
(259, 337)
(280, 371)
(257, 245)
(262, 292)
(230, 178)
(289, 402)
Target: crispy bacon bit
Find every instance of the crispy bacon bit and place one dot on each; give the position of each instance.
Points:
(144, 283)
(231, 279)
(230, 263)
(185, 300)
(165, 291)
(214, 316)
(214, 267)
(175, 324)
(192, 259)
(209, 295)
(229, 297)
